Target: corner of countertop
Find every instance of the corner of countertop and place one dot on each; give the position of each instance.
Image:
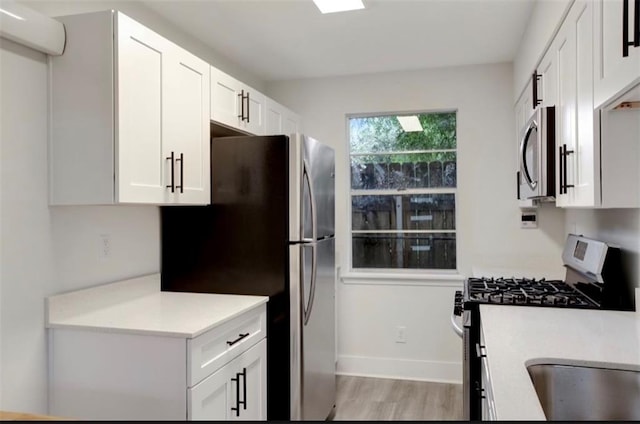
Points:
(65, 305)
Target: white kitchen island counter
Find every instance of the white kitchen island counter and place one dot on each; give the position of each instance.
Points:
(516, 337)
(137, 306)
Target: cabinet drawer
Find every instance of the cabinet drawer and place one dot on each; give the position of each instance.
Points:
(210, 351)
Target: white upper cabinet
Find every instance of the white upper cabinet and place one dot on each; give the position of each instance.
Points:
(596, 150)
(129, 116)
(548, 81)
(187, 129)
(280, 120)
(237, 105)
(586, 185)
(617, 51)
(578, 157)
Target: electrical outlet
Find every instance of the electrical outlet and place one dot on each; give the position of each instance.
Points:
(104, 246)
(401, 334)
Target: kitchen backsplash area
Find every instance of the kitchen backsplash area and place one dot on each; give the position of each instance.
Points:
(619, 226)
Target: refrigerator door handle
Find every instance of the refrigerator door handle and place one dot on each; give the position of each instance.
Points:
(312, 203)
(312, 290)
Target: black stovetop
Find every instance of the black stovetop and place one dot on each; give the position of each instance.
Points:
(525, 291)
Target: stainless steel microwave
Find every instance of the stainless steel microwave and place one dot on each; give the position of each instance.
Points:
(537, 156)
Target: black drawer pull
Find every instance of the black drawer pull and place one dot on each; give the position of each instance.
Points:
(240, 337)
(236, 408)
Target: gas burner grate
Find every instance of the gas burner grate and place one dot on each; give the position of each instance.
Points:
(525, 291)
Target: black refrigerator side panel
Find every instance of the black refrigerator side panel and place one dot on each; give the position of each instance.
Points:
(239, 243)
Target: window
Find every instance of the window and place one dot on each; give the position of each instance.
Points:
(403, 191)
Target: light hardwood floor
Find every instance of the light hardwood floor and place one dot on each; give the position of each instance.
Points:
(377, 399)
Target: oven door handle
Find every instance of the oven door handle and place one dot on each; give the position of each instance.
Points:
(455, 326)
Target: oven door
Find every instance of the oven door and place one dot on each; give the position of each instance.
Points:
(537, 156)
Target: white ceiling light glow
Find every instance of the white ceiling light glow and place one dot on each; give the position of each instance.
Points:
(331, 6)
(410, 123)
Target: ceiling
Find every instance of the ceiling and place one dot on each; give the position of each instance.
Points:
(291, 39)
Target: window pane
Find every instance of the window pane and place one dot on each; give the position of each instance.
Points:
(403, 212)
(435, 251)
(418, 170)
(385, 134)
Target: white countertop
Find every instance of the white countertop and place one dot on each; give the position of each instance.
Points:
(138, 306)
(519, 336)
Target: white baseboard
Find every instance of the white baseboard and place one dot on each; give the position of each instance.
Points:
(401, 369)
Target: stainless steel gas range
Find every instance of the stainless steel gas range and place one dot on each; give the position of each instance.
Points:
(594, 280)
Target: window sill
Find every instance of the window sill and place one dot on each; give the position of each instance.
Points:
(444, 279)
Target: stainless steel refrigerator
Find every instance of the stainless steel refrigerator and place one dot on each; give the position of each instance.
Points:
(269, 231)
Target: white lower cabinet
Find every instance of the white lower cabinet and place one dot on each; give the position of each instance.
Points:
(106, 375)
(233, 392)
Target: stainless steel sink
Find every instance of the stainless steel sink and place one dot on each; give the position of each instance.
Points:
(586, 392)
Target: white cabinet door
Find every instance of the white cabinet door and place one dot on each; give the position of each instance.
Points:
(254, 112)
(236, 391)
(564, 46)
(141, 81)
(292, 124)
(274, 118)
(212, 398)
(236, 104)
(615, 69)
(548, 85)
(579, 181)
(251, 367)
(280, 120)
(187, 129)
(226, 98)
(587, 178)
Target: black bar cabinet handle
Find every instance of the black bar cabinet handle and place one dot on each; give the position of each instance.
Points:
(625, 27)
(172, 186)
(248, 108)
(181, 186)
(560, 157)
(518, 184)
(564, 168)
(244, 388)
(535, 77)
(565, 154)
(240, 337)
(237, 407)
(636, 24)
(241, 95)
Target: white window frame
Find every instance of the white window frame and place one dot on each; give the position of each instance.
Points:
(404, 276)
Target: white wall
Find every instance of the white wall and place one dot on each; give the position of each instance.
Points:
(48, 250)
(488, 214)
(542, 26)
(26, 266)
